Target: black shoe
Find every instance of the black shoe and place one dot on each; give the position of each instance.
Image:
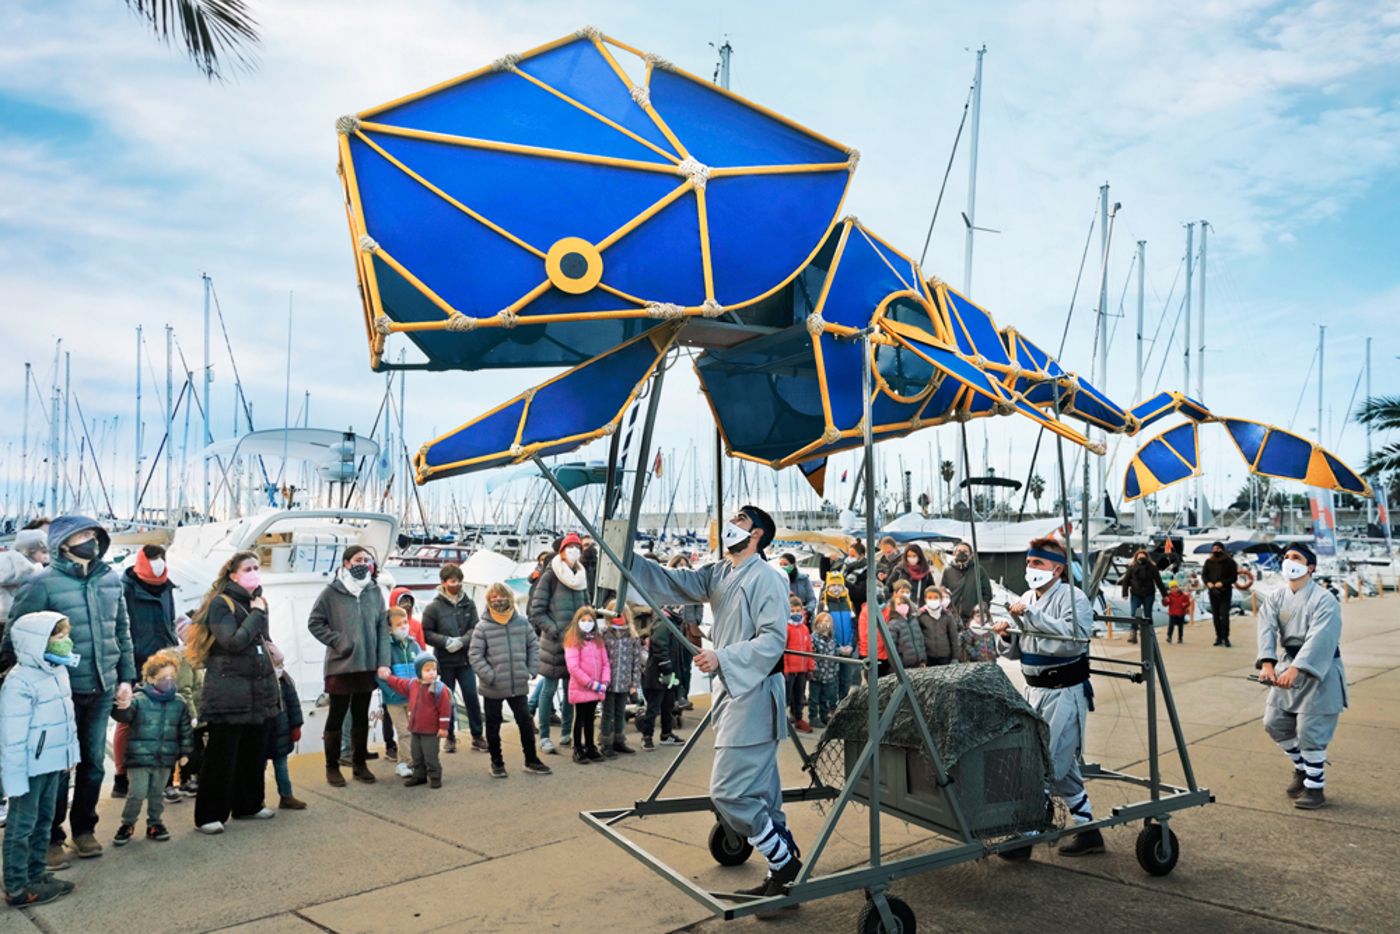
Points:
(451, 745)
(594, 755)
(435, 782)
(124, 834)
(1217, 642)
(776, 882)
(581, 757)
(537, 768)
(1310, 800)
(361, 773)
(120, 786)
(371, 756)
(49, 880)
(671, 739)
(391, 750)
(157, 832)
(620, 745)
(606, 751)
(1295, 786)
(172, 795)
(499, 771)
(415, 780)
(647, 744)
(1082, 844)
(1228, 645)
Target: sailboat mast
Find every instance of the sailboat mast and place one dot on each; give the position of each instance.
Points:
(208, 378)
(136, 490)
(1101, 339)
(24, 438)
(1139, 507)
(169, 424)
(1201, 324)
(1321, 348)
(972, 173)
(67, 425)
(1370, 501)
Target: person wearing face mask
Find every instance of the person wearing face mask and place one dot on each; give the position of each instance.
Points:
(81, 586)
(150, 608)
(25, 558)
(562, 589)
(969, 585)
(940, 627)
(402, 653)
(505, 654)
(284, 732)
(853, 570)
(240, 697)
(448, 623)
(749, 604)
(1057, 675)
(1300, 634)
(1141, 583)
(429, 709)
(908, 635)
(1219, 573)
(348, 618)
(159, 737)
(914, 569)
(799, 585)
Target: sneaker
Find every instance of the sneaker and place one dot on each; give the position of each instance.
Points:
(499, 771)
(566, 741)
(451, 745)
(120, 786)
(413, 781)
(1310, 800)
(157, 832)
(647, 744)
(479, 744)
(776, 882)
(190, 788)
(391, 750)
(620, 746)
(86, 846)
(1296, 786)
(594, 755)
(172, 795)
(802, 726)
(547, 746)
(48, 878)
(4, 812)
(264, 814)
(30, 897)
(57, 859)
(403, 770)
(211, 828)
(290, 803)
(671, 739)
(537, 768)
(435, 782)
(124, 834)
(1082, 844)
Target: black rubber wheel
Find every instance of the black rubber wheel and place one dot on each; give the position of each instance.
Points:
(1019, 854)
(727, 847)
(870, 923)
(1149, 850)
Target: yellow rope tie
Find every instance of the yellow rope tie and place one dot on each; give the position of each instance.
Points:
(608, 429)
(696, 171)
(347, 124)
(517, 450)
(831, 435)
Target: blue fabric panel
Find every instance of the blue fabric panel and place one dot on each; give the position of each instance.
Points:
(563, 344)
(985, 339)
(1248, 435)
(1031, 355)
(979, 404)
(940, 405)
(437, 242)
(1183, 439)
(486, 435)
(721, 131)
(765, 394)
(660, 260)
(1162, 401)
(1285, 455)
(886, 411)
(1346, 477)
(579, 70)
(566, 199)
(1041, 393)
(1165, 465)
(555, 302)
(859, 283)
(961, 369)
(763, 227)
(1131, 488)
(842, 359)
(589, 397)
(902, 267)
(1116, 411)
(1090, 405)
(506, 108)
(1193, 409)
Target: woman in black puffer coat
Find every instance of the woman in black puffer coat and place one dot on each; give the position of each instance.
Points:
(240, 694)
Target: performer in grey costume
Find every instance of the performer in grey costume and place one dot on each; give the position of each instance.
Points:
(1057, 675)
(749, 599)
(1300, 632)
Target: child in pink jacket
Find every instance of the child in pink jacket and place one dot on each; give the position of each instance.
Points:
(586, 657)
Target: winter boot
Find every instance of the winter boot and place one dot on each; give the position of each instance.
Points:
(1310, 800)
(620, 745)
(1082, 844)
(1295, 787)
(605, 746)
(331, 740)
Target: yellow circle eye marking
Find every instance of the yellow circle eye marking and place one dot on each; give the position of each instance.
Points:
(574, 265)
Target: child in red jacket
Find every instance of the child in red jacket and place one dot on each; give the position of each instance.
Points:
(797, 669)
(429, 708)
(1178, 605)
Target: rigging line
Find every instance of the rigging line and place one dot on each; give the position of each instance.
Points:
(1181, 264)
(96, 461)
(946, 172)
(155, 383)
(43, 409)
(1167, 350)
(1303, 390)
(1127, 280)
(1337, 442)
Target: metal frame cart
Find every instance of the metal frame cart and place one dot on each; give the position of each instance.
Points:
(1157, 846)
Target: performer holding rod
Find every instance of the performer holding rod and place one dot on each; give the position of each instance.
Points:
(749, 600)
(1300, 631)
(1057, 674)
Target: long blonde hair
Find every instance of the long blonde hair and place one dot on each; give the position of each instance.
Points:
(201, 639)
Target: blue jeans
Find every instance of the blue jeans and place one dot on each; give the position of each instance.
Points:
(546, 706)
(283, 775)
(845, 674)
(824, 699)
(27, 831)
(1140, 607)
(91, 711)
(465, 679)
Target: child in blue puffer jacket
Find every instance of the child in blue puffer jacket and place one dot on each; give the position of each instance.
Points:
(38, 745)
(403, 651)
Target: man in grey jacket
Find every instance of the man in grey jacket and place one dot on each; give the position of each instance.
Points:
(82, 587)
(749, 600)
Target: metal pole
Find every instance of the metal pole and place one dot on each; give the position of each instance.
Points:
(971, 219)
(287, 398)
(169, 424)
(67, 425)
(136, 491)
(208, 378)
(872, 604)
(1201, 322)
(725, 52)
(1140, 507)
(1370, 501)
(1102, 323)
(1186, 318)
(24, 440)
(53, 455)
(1321, 348)
(634, 508)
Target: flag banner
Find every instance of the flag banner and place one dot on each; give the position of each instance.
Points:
(1383, 516)
(1324, 520)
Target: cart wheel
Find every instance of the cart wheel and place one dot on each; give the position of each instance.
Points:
(727, 847)
(1019, 854)
(1149, 849)
(870, 923)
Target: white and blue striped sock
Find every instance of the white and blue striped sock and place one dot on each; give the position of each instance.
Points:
(1314, 763)
(772, 845)
(1079, 808)
(1290, 749)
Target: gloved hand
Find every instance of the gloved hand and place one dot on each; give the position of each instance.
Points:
(599, 686)
(296, 734)
(454, 644)
(673, 681)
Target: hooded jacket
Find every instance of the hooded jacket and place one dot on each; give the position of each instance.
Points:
(624, 658)
(415, 625)
(552, 607)
(504, 656)
(37, 732)
(353, 629)
(445, 618)
(588, 663)
(92, 600)
(159, 730)
(15, 570)
(289, 718)
(1143, 580)
(150, 608)
(240, 685)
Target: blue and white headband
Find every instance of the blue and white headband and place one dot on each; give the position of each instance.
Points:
(1053, 556)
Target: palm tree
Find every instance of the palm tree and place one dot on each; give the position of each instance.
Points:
(946, 471)
(1037, 488)
(215, 33)
(1383, 466)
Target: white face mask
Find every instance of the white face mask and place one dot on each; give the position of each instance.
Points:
(1293, 570)
(571, 554)
(158, 567)
(586, 625)
(732, 535)
(1038, 577)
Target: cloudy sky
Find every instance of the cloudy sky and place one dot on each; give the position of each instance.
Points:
(125, 175)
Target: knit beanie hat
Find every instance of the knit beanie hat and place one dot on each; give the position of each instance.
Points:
(424, 658)
(570, 539)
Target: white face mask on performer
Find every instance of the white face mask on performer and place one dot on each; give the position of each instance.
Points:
(1038, 577)
(733, 535)
(1293, 570)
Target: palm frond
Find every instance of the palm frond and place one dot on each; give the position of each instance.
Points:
(1383, 460)
(218, 35)
(1380, 412)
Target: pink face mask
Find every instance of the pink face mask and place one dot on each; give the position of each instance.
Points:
(248, 580)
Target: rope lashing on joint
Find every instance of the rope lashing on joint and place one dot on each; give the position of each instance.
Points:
(506, 62)
(382, 325)
(641, 95)
(589, 32)
(368, 244)
(656, 61)
(711, 308)
(670, 311)
(461, 323)
(696, 171)
(347, 124)
(508, 318)
(815, 324)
